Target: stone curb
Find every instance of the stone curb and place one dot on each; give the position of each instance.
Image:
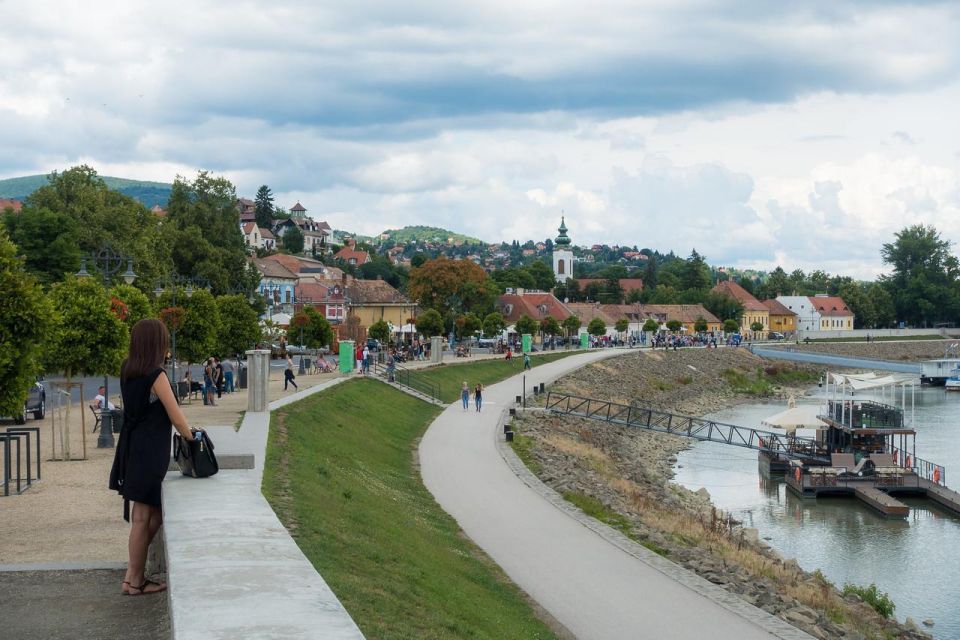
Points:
(769, 623)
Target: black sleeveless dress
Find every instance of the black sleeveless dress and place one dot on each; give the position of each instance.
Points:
(143, 449)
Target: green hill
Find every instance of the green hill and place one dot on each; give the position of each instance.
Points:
(149, 193)
(427, 234)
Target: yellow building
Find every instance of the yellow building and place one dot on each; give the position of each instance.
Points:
(782, 319)
(754, 311)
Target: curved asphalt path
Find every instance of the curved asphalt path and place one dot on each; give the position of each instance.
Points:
(592, 587)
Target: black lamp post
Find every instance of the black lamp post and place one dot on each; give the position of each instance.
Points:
(301, 300)
(107, 263)
(173, 283)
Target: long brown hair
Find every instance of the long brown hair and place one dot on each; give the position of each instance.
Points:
(149, 341)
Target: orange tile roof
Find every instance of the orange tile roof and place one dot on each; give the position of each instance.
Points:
(348, 253)
(777, 308)
(16, 205)
(738, 293)
(534, 305)
(830, 306)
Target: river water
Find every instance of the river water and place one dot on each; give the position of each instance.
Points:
(916, 561)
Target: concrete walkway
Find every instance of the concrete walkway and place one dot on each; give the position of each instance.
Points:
(234, 570)
(594, 586)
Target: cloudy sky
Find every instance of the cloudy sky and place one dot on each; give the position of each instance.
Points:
(757, 132)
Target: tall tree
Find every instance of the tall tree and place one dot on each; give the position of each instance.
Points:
(239, 327)
(777, 283)
(87, 337)
(263, 207)
(493, 324)
(650, 273)
(884, 311)
(48, 240)
(572, 325)
(526, 324)
(723, 306)
(293, 240)
(452, 286)
(197, 335)
(925, 275)
(860, 304)
(542, 273)
(25, 318)
(695, 273)
(430, 323)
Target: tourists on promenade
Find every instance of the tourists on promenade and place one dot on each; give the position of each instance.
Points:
(288, 377)
(526, 361)
(465, 395)
(208, 375)
(366, 360)
(478, 395)
(228, 369)
(143, 448)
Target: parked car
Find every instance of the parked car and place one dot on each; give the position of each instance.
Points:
(486, 342)
(36, 403)
(776, 335)
(373, 344)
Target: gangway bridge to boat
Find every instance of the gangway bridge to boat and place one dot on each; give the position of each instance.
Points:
(863, 451)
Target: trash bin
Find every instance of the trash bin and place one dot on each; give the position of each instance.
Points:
(306, 363)
(242, 377)
(116, 418)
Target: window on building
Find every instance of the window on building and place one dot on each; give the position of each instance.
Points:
(560, 270)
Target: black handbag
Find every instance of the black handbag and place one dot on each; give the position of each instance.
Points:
(195, 457)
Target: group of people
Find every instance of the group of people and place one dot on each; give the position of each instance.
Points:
(477, 396)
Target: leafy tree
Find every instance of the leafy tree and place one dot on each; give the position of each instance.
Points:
(731, 326)
(747, 284)
(87, 338)
(549, 326)
(514, 278)
(264, 207)
(722, 305)
(622, 325)
(884, 312)
(664, 294)
(197, 334)
(430, 323)
(542, 274)
(925, 276)
(25, 319)
(293, 240)
(613, 292)
(592, 291)
(379, 330)
(317, 332)
(526, 324)
(756, 327)
(137, 304)
(418, 259)
(777, 283)
(239, 327)
(597, 327)
(452, 286)
(572, 325)
(650, 273)
(651, 325)
(493, 324)
(674, 325)
(860, 304)
(48, 240)
(700, 325)
(467, 324)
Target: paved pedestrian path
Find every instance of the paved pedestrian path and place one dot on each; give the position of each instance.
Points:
(593, 584)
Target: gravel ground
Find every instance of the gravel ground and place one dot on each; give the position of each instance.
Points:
(905, 350)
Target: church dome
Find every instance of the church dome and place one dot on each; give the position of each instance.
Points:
(562, 239)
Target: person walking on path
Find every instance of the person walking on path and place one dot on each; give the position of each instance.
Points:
(143, 447)
(228, 369)
(218, 376)
(366, 360)
(208, 375)
(288, 376)
(478, 396)
(526, 361)
(465, 395)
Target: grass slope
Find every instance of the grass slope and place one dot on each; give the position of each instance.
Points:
(486, 372)
(340, 473)
(419, 233)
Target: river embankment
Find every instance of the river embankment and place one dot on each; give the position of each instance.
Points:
(623, 477)
(895, 350)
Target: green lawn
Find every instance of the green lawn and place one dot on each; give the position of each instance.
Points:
(450, 377)
(340, 474)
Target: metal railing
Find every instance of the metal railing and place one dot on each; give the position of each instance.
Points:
(864, 414)
(407, 378)
(925, 469)
(686, 426)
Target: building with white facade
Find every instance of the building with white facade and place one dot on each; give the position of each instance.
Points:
(562, 254)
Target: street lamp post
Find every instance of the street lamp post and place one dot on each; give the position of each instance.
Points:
(301, 370)
(174, 282)
(107, 263)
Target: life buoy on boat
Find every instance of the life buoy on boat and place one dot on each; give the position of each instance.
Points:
(936, 475)
(908, 465)
(796, 474)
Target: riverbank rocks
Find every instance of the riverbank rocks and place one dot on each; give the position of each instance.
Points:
(907, 351)
(628, 472)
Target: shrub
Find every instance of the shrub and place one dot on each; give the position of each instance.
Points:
(880, 602)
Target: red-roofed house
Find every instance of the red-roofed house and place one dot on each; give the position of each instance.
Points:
(754, 311)
(9, 203)
(534, 304)
(835, 315)
(251, 235)
(782, 319)
(350, 255)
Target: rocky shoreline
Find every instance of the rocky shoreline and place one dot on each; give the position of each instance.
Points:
(623, 477)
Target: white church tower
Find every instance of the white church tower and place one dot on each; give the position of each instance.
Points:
(562, 255)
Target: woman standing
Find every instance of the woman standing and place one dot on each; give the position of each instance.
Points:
(465, 395)
(288, 376)
(143, 449)
(478, 395)
(208, 388)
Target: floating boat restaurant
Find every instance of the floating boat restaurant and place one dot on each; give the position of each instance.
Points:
(863, 448)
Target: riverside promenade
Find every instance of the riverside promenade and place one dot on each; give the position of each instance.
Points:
(596, 583)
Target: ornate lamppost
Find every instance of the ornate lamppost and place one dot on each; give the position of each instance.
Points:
(107, 263)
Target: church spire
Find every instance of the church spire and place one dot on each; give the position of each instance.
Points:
(562, 239)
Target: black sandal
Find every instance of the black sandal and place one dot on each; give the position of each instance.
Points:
(143, 586)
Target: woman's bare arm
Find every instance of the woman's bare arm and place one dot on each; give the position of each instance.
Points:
(161, 387)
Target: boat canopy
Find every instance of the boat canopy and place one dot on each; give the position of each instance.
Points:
(802, 417)
(861, 381)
